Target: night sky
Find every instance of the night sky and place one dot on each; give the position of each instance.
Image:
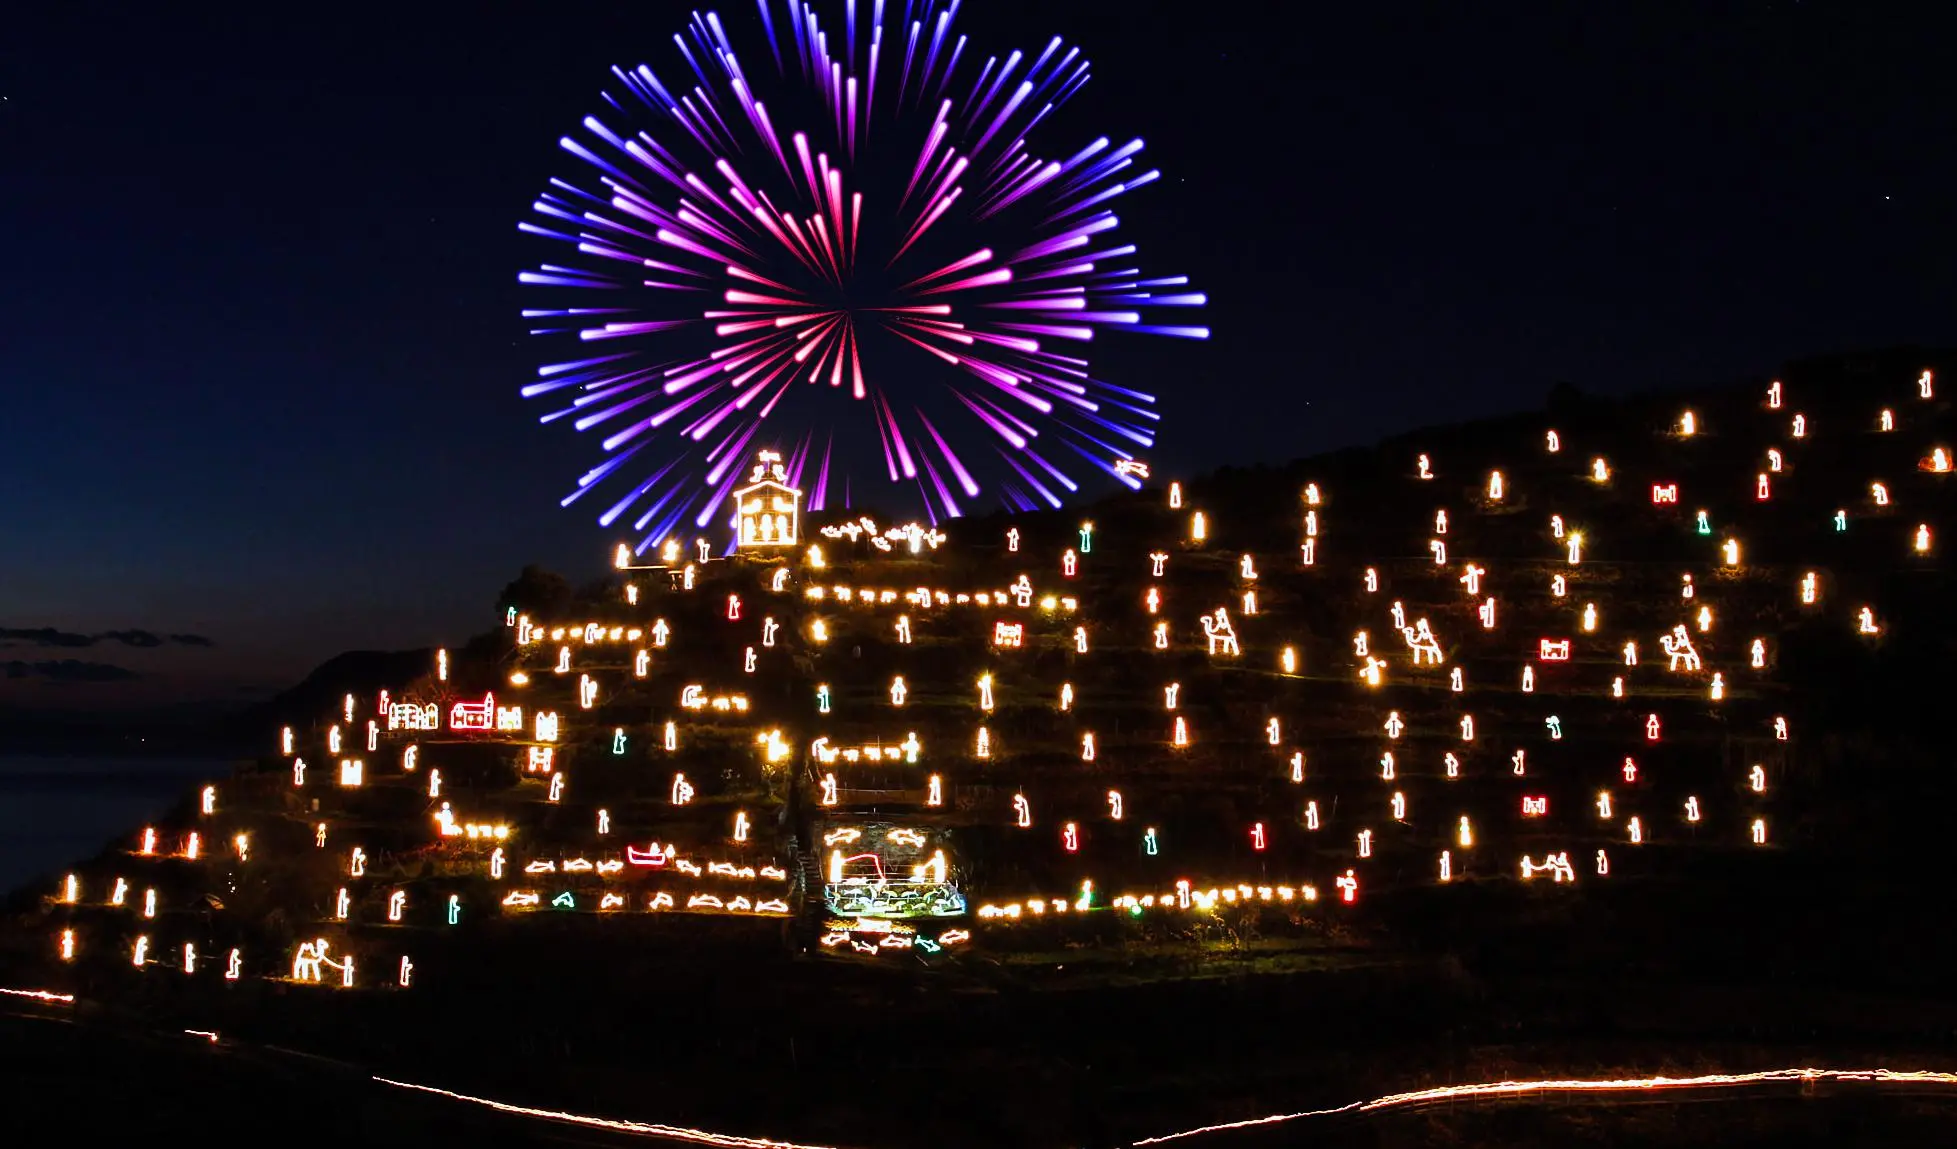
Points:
(260, 351)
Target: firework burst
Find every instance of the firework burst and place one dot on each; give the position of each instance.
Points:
(915, 288)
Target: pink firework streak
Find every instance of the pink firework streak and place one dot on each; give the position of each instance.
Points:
(917, 260)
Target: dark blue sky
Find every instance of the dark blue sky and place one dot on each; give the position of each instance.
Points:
(259, 350)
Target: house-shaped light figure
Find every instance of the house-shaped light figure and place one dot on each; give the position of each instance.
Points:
(769, 510)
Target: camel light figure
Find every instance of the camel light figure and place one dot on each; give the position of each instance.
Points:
(308, 962)
(1216, 628)
(1678, 645)
(1426, 649)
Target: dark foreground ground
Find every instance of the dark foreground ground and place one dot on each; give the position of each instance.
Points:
(88, 1085)
(1835, 952)
(1789, 961)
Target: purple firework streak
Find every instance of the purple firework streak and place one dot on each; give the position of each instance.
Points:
(723, 259)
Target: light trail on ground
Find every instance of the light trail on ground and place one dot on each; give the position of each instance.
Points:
(1500, 1089)
(40, 995)
(609, 1124)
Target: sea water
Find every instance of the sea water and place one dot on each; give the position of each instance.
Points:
(55, 811)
